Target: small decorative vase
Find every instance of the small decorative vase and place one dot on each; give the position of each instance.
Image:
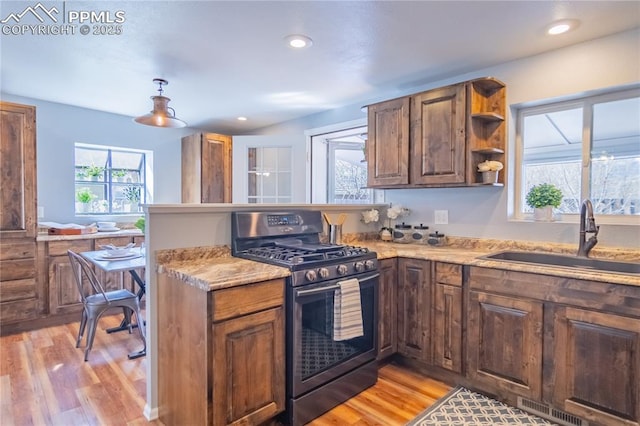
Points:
(543, 214)
(490, 177)
(385, 235)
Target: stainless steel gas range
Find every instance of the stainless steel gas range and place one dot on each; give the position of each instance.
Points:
(322, 370)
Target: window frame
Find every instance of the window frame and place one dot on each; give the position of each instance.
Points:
(144, 182)
(586, 102)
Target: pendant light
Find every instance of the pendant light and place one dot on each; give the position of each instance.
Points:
(162, 115)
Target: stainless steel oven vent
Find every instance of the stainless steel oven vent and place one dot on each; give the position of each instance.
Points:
(549, 412)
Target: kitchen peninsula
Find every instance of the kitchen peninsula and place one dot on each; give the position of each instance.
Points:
(536, 302)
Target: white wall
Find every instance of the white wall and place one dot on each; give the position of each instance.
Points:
(483, 211)
(59, 127)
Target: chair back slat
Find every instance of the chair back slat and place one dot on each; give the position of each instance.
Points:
(82, 272)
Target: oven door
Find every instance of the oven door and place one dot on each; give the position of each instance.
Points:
(314, 357)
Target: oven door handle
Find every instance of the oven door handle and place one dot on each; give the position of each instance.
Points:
(300, 293)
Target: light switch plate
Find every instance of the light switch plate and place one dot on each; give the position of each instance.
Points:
(441, 217)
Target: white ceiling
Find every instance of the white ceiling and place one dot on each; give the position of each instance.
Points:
(227, 59)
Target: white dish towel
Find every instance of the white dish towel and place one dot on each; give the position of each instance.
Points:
(347, 310)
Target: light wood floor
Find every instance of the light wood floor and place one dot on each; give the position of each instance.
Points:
(44, 381)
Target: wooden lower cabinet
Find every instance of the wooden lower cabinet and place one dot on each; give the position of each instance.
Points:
(21, 293)
(570, 343)
(221, 354)
(414, 307)
(597, 358)
(388, 308)
(63, 291)
(446, 333)
(504, 344)
(249, 389)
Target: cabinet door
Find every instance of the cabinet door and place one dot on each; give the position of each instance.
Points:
(597, 366)
(18, 164)
(447, 327)
(504, 344)
(414, 306)
(216, 168)
(206, 168)
(63, 291)
(438, 136)
(248, 368)
(388, 312)
(388, 143)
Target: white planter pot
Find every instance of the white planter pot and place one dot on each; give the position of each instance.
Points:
(543, 214)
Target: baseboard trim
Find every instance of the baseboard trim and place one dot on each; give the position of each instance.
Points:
(150, 413)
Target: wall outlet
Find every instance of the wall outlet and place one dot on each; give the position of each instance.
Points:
(441, 217)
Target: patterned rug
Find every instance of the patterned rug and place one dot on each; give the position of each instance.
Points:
(462, 407)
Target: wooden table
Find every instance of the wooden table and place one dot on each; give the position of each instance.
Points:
(131, 264)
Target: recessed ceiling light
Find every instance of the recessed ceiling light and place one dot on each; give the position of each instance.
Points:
(298, 41)
(561, 27)
(242, 118)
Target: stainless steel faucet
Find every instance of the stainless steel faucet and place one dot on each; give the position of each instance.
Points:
(587, 225)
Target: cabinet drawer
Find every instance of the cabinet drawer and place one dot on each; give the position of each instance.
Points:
(242, 300)
(17, 250)
(11, 291)
(116, 241)
(59, 248)
(449, 273)
(17, 269)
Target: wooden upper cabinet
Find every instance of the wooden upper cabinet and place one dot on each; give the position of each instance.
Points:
(18, 217)
(388, 143)
(438, 136)
(206, 168)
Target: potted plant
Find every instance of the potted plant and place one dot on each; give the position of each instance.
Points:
(489, 171)
(118, 174)
(132, 195)
(84, 197)
(543, 198)
(95, 172)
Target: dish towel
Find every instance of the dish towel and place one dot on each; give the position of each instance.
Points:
(347, 311)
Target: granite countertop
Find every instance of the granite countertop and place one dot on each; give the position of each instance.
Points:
(122, 233)
(213, 268)
(472, 257)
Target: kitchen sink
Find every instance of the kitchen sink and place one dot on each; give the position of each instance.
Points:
(565, 261)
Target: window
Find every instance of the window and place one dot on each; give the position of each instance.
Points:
(588, 147)
(110, 180)
(347, 171)
(269, 179)
(339, 168)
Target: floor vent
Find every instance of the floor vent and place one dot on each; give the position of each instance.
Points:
(548, 412)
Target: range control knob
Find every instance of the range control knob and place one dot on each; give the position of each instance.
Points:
(324, 273)
(359, 266)
(311, 275)
(342, 269)
(369, 264)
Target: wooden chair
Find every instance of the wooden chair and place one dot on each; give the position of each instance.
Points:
(96, 301)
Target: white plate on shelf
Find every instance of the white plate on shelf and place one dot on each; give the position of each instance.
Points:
(126, 256)
(114, 229)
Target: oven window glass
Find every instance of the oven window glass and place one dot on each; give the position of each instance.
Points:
(319, 351)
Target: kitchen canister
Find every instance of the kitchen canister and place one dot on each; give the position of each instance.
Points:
(420, 234)
(402, 234)
(436, 239)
